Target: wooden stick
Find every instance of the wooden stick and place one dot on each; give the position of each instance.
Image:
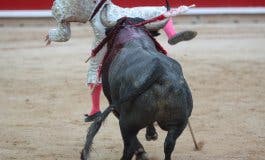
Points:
(193, 137)
(88, 59)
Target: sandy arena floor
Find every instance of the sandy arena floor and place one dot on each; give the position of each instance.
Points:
(43, 95)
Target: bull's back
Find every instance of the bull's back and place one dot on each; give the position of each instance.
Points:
(167, 99)
(128, 70)
(172, 94)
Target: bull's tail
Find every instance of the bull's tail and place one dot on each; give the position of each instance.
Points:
(154, 75)
(93, 130)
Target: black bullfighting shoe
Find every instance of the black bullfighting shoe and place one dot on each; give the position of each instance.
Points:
(182, 36)
(90, 118)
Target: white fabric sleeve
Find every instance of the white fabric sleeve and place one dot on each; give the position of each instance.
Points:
(110, 13)
(115, 12)
(60, 34)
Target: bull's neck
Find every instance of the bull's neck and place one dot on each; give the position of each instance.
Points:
(129, 33)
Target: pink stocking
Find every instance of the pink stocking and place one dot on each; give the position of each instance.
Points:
(95, 97)
(169, 29)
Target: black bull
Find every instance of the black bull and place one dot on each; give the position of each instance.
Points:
(143, 86)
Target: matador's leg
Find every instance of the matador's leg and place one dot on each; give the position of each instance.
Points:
(173, 37)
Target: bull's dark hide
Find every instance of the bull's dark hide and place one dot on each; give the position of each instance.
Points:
(143, 86)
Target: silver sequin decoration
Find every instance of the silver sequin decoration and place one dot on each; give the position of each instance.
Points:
(65, 11)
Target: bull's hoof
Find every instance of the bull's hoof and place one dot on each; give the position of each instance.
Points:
(151, 133)
(151, 137)
(141, 154)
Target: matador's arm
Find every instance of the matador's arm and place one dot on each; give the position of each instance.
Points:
(110, 13)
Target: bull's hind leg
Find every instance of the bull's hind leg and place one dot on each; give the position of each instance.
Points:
(173, 133)
(132, 145)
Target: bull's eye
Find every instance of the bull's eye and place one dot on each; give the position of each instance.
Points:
(94, 1)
